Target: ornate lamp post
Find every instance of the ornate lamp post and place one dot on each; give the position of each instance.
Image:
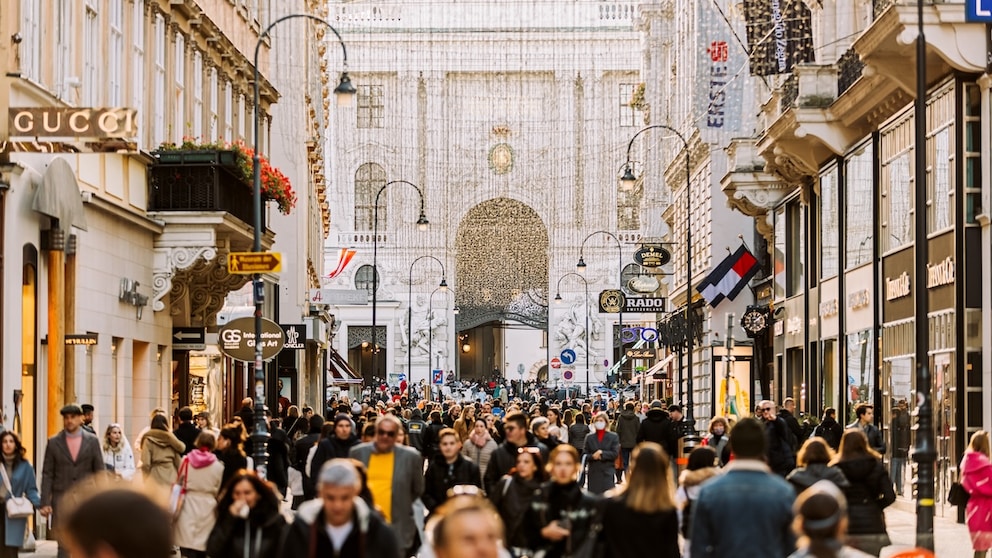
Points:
(581, 268)
(628, 179)
(422, 223)
(345, 93)
(409, 319)
(558, 301)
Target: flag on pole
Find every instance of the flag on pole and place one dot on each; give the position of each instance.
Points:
(344, 258)
(729, 278)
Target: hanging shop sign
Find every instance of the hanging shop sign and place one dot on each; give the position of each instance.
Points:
(652, 255)
(237, 339)
(613, 301)
(296, 336)
(64, 122)
(643, 284)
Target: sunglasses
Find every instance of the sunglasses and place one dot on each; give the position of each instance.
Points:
(765, 409)
(387, 433)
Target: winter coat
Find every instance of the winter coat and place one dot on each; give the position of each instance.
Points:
(120, 462)
(601, 472)
(161, 453)
(437, 480)
(875, 439)
(278, 471)
(259, 536)
(504, 458)
(199, 512)
(687, 492)
(781, 457)
(557, 502)
(720, 446)
(327, 449)
(657, 427)
(479, 454)
(976, 478)
(794, 427)
(512, 498)
(870, 491)
(431, 439)
(233, 461)
(22, 483)
(830, 431)
(802, 478)
(187, 433)
(370, 537)
(577, 436)
(624, 531)
(626, 427)
(900, 433)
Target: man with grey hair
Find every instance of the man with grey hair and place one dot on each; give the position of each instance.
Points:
(338, 522)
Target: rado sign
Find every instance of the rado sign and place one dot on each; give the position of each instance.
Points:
(898, 287)
(73, 122)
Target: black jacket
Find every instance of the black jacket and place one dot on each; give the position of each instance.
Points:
(439, 479)
(781, 457)
(625, 531)
(512, 498)
(327, 449)
(577, 436)
(370, 537)
(794, 427)
(900, 432)
(557, 502)
(260, 535)
(504, 458)
(233, 461)
(187, 433)
(805, 477)
(875, 439)
(830, 431)
(627, 426)
(278, 471)
(430, 439)
(301, 449)
(415, 430)
(869, 492)
(657, 427)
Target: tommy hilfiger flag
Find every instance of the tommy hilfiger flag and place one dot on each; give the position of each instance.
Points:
(729, 278)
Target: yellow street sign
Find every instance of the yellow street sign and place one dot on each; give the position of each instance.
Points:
(247, 263)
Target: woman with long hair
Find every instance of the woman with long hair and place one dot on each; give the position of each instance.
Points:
(869, 492)
(539, 427)
(577, 432)
(19, 481)
(480, 445)
(602, 448)
(821, 521)
(249, 524)
(813, 465)
(554, 418)
(563, 518)
(640, 519)
(117, 453)
(296, 425)
(976, 478)
(202, 478)
(513, 497)
(161, 452)
(463, 424)
(230, 452)
(700, 467)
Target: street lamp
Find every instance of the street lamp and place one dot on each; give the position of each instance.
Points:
(422, 223)
(628, 180)
(558, 301)
(345, 92)
(409, 319)
(430, 337)
(581, 269)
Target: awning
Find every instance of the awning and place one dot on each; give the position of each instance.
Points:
(338, 370)
(661, 364)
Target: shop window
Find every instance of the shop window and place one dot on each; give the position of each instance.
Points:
(829, 224)
(779, 253)
(369, 179)
(859, 190)
(796, 244)
(860, 370)
(828, 373)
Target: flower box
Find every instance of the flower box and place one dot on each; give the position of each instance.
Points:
(223, 157)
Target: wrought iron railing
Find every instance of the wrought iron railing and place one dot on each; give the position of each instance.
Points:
(790, 91)
(849, 68)
(200, 181)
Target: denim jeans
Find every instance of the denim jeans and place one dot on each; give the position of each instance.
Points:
(897, 466)
(625, 453)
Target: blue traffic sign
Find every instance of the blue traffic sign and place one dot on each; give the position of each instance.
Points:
(437, 376)
(568, 356)
(979, 11)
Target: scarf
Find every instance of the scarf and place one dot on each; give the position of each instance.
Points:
(480, 441)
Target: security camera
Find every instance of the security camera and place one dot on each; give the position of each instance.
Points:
(16, 38)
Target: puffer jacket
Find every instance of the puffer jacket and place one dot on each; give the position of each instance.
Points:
(562, 502)
(512, 498)
(626, 427)
(657, 427)
(259, 536)
(869, 492)
(372, 539)
(479, 454)
(689, 484)
(161, 453)
(802, 478)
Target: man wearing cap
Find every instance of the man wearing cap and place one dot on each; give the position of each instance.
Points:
(71, 457)
(337, 445)
(88, 417)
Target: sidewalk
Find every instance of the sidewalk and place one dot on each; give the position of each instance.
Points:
(951, 539)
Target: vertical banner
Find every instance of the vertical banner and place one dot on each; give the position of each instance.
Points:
(720, 73)
(779, 35)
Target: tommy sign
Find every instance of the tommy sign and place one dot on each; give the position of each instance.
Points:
(237, 339)
(73, 122)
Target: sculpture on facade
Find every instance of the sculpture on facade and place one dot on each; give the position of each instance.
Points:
(571, 331)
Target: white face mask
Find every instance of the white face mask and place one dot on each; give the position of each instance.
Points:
(718, 431)
(600, 425)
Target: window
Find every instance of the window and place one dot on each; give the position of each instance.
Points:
(859, 189)
(628, 115)
(972, 152)
(369, 178)
(860, 369)
(796, 243)
(896, 184)
(228, 112)
(91, 80)
(779, 254)
(370, 108)
(115, 53)
(197, 93)
(829, 226)
(30, 47)
(158, 121)
(941, 210)
(212, 119)
(364, 278)
(64, 68)
(138, 84)
(179, 85)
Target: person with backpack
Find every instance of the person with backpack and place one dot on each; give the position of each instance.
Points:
(829, 429)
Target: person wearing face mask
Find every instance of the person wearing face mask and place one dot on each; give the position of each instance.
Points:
(718, 438)
(602, 448)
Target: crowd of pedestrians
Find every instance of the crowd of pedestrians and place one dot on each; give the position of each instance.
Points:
(532, 479)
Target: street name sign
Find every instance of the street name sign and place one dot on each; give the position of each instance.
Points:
(248, 263)
(189, 338)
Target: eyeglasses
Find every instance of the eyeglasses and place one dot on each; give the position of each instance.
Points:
(387, 433)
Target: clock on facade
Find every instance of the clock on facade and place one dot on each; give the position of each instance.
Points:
(501, 158)
(754, 321)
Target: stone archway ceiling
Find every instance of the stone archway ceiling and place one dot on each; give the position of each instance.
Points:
(502, 265)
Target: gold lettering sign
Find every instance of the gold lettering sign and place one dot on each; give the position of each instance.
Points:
(940, 274)
(898, 287)
(62, 122)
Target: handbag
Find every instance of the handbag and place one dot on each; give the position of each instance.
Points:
(178, 495)
(18, 507)
(957, 495)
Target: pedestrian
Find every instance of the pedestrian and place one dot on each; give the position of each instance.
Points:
(640, 519)
(602, 449)
(480, 446)
(278, 449)
(976, 478)
(296, 425)
(577, 432)
(18, 482)
(430, 435)
(865, 413)
(161, 453)
(72, 458)
(788, 413)
(821, 522)
(813, 465)
(447, 470)
(339, 522)
(94, 528)
(203, 422)
(512, 498)
(88, 418)
(563, 518)
(555, 419)
(463, 424)
(701, 466)
(504, 456)
(626, 427)
(747, 510)
(718, 439)
(187, 431)
(539, 427)
(415, 430)
(302, 452)
(230, 453)
(465, 527)
(202, 477)
(249, 524)
(657, 427)
(141, 433)
(781, 456)
(395, 478)
(868, 493)
(117, 454)
(900, 444)
(335, 446)
(829, 429)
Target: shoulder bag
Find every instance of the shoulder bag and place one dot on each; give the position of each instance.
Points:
(957, 495)
(178, 495)
(18, 507)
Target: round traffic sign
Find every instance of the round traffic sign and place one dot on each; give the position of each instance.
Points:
(568, 356)
(555, 363)
(568, 375)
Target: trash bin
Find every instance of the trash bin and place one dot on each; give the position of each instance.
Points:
(686, 444)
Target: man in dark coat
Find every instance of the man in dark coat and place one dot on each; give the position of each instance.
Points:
(900, 443)
(447, 470)
(626, 427)
(657, 427)
(866, 417)
(187, 431)
(829, 429)
(279, 445)
(335, 446)
(504, 457)
(302, 448)
(431, 440)
(788, 414)
(415, 428)
(780, 456)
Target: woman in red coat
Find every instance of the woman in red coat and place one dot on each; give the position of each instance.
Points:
(976, 478)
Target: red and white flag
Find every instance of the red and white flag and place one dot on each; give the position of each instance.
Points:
(729, 278)
(344, 258)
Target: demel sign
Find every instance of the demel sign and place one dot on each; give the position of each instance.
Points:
(237, 339)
